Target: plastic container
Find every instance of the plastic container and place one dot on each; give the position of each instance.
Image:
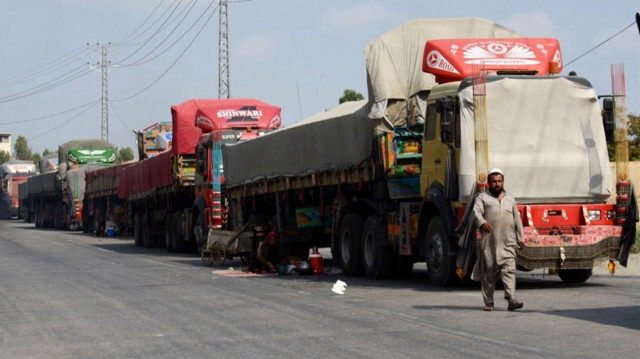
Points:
(315, 259)
(111, 232)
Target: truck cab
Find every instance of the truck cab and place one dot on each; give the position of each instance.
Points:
(545, 131)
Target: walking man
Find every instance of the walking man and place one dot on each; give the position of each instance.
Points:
(497, 217)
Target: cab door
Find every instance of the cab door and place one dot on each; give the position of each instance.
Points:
(434, 151)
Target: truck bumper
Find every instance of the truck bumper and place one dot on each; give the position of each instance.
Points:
(589, 246)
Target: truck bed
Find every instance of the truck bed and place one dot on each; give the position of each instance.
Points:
(156, 173)
(44, 184)
(104, 181)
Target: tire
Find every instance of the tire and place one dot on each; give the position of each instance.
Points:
(218, 254)
(170, 242)
(200, 233)
(350, 245)
(440, 264)
(146, 231)
(377, 257)
(574, 275)
(178, 236)
(137, 229)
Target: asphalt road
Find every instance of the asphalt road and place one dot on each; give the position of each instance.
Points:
(70, 295)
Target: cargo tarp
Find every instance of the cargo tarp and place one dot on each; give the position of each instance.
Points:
(546, 135)
(45, 184)
(337, 138)
(146, 175)
(76, 181)
(394, 65)
(104, 181)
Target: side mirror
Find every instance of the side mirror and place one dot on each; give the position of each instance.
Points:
(607, 119)
(201, 159)
(445, 109)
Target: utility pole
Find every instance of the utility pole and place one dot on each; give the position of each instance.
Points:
(104, 133)
(223, 53)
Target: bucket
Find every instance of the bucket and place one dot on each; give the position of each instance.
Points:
(111, 232)
(315, 259)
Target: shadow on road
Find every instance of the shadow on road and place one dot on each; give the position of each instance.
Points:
(627, 317)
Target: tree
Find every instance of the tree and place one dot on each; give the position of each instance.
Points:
(46, 152)
(125, 154)
(633, 135)
(35, 158)
(4, 157)
(21, 149)
(351, 95)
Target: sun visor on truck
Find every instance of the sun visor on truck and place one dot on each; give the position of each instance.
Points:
(195, 117)
(454, 59)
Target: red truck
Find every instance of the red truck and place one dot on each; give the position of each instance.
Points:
(171, 198)
(12, 174)
(385, 181)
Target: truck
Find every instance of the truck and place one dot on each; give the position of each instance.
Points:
(389, 181)
(12, 175)
(54, 198)
(102, 204)
(171, 198)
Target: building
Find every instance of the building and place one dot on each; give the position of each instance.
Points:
(5, 142)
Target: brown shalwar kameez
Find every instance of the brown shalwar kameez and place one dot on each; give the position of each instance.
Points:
(497, 250)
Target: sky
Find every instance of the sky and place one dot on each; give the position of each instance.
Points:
(297, 54)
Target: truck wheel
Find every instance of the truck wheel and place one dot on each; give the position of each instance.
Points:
(200, 233)
(377, 256)
(168, 232)
(440, 264)
(574, 275)
(137, 229)
(350, 237)
(146, 231)
(178, 236)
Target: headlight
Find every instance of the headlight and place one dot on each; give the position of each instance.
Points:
(595, 215)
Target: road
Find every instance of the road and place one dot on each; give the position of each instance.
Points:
(71, 295)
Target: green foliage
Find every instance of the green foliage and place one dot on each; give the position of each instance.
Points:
(46, 152)
(351, 95)
(633, 132)
(4, 157)
(21, 149)
(125, 154)
(35, 158)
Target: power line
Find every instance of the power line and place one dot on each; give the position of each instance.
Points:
(140, 61)
(51, 115)
(176, 60)
(42, 68)
(600, 44)
(123, 42)
(153, 35)
(119, 117)
(63, 123)
(48, 85)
